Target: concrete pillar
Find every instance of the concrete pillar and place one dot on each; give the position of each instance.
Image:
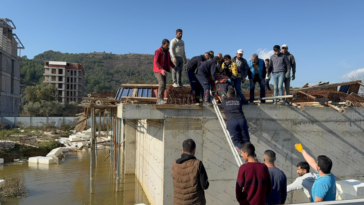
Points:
(130, 148)
(176, 130)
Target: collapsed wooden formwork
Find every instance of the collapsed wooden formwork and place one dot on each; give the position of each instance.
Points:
(337, 95)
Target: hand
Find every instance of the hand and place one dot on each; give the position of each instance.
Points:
(216, 82)
(287, 75)
(163, 72)
(298, 147)
(174, 61)
(293, 77)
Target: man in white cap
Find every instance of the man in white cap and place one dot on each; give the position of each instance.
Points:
(243, 68)
(287, 80)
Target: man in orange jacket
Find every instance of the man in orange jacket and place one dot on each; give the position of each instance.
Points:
(162, 64)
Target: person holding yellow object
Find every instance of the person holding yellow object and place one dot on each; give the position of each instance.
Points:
(230, 69)
(324, 187)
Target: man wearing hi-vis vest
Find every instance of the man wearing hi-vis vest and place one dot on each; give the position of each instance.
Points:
(256, 73)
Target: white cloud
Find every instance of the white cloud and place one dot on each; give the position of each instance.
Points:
(264, 53)
(354, 73)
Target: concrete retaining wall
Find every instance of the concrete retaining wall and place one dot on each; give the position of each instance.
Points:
(24, 121)
(320, 130)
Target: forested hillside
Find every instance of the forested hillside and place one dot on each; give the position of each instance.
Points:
(104, 71)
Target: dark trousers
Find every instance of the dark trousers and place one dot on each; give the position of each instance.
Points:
(267, 87)
(177, 71)
(238, 129)
(204, 82)
(252, 87)
(196, 88)
(162, 85)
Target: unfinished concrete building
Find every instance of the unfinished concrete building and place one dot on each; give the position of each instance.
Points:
(9, 69)
(68, 78)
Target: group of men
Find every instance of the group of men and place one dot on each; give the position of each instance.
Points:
(257, 183)
(207, 71)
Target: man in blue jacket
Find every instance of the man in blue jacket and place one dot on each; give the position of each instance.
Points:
(204, 71)
(256, 73)
(192, 65)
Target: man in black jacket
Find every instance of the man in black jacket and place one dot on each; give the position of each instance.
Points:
(204, 71)
(192, 65)
(236, 122)
(189, 177)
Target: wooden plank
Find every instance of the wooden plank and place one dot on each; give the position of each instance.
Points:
(96, 106)
(179, 107)
(330, 85)
(141, 99)
(146, 85)
(354, 89)
(155, 123)
(141, 85)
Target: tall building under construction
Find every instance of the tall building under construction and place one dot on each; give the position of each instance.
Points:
(68, 78)
(9, 69)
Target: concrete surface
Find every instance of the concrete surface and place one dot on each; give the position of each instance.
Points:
(130, 146)
(47, 160)
(34, 159)
(2, 183)
(322, 131)
(55, 152)
(351, 187)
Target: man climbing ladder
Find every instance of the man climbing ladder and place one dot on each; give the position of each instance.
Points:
(236, 122)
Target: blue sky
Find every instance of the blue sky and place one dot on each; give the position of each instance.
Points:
(326, 37)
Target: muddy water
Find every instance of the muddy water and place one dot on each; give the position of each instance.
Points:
(68, 182)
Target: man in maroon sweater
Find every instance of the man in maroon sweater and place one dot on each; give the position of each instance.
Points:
(253, 177)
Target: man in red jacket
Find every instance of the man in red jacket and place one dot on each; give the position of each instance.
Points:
(253, 183)
(162, 64)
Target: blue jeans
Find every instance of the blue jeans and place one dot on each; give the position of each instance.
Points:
(238, 130)
(252, 88)
(278, 79)
(237, 82)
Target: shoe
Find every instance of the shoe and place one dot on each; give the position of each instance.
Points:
(280, 103)
(175, 85)
(207, 104)
(181, 85)
(287, 103)
(275, 102)
(161, 102)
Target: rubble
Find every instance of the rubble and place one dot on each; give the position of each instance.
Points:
(180, 96)
(6, 145)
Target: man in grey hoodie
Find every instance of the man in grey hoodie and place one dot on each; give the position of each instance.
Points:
(304, 181)
(278, 66)
(287, 80)
(178, 56)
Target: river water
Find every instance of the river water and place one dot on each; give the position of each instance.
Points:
(68, 182)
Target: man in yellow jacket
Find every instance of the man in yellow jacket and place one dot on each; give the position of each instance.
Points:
(230, 69)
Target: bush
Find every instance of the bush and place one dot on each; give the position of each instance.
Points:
(13, 187)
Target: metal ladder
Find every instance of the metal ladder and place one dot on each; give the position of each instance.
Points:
(226, 132)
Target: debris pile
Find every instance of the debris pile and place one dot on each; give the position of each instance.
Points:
(6, 145)
(81, 140)
(330, 95)
(180, 96)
